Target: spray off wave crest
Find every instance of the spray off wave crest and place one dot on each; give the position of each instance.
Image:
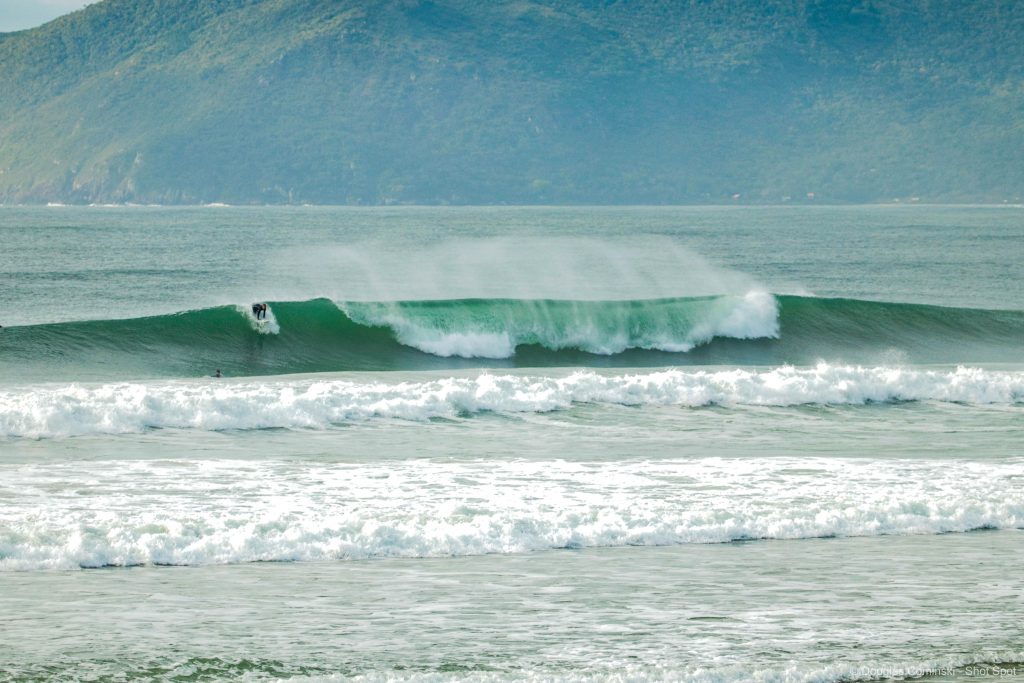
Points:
(320, 335)
(44, 412)
(477, 328)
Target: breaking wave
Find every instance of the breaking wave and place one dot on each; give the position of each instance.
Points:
(288, 511)
(321, 336)
(318, 403)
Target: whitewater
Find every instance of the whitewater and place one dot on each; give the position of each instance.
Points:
(319, 403)
(321, 335)
(357, 511)
(500, 444)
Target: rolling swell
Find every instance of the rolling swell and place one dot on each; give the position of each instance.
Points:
(319, 335)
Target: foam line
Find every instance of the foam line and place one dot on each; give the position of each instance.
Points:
(222, 511)
(495, 329)
(114, 408)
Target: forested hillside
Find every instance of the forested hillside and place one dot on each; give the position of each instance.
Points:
(516, 101)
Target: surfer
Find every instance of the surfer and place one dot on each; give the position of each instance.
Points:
(260, 311)
(217, 373)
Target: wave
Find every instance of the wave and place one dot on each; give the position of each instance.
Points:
(319, 403)
(320, 335)
(495, 328)
(292, 511)
(278, 511)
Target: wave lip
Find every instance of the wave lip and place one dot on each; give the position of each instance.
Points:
(495, 328)
(71, 410)
(755, 329)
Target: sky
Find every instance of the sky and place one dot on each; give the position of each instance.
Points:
(19, 14)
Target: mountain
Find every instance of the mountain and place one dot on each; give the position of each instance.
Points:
(515, 101)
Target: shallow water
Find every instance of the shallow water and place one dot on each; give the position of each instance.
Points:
(705, 444)
(835, 609)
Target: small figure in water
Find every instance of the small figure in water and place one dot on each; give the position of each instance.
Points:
(217, 373)
(260, 311)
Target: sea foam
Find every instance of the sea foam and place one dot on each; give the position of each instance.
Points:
(138, 512)
(126, 407)
(995, 664)
(495, 329)
(266, 325)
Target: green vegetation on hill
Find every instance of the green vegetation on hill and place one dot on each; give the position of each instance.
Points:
(515, 101)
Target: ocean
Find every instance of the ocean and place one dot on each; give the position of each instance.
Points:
(709, 444)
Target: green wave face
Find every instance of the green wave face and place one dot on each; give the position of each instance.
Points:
(496, 328)
(319, 336)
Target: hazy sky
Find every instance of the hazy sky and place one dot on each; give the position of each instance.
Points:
(18, 14)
